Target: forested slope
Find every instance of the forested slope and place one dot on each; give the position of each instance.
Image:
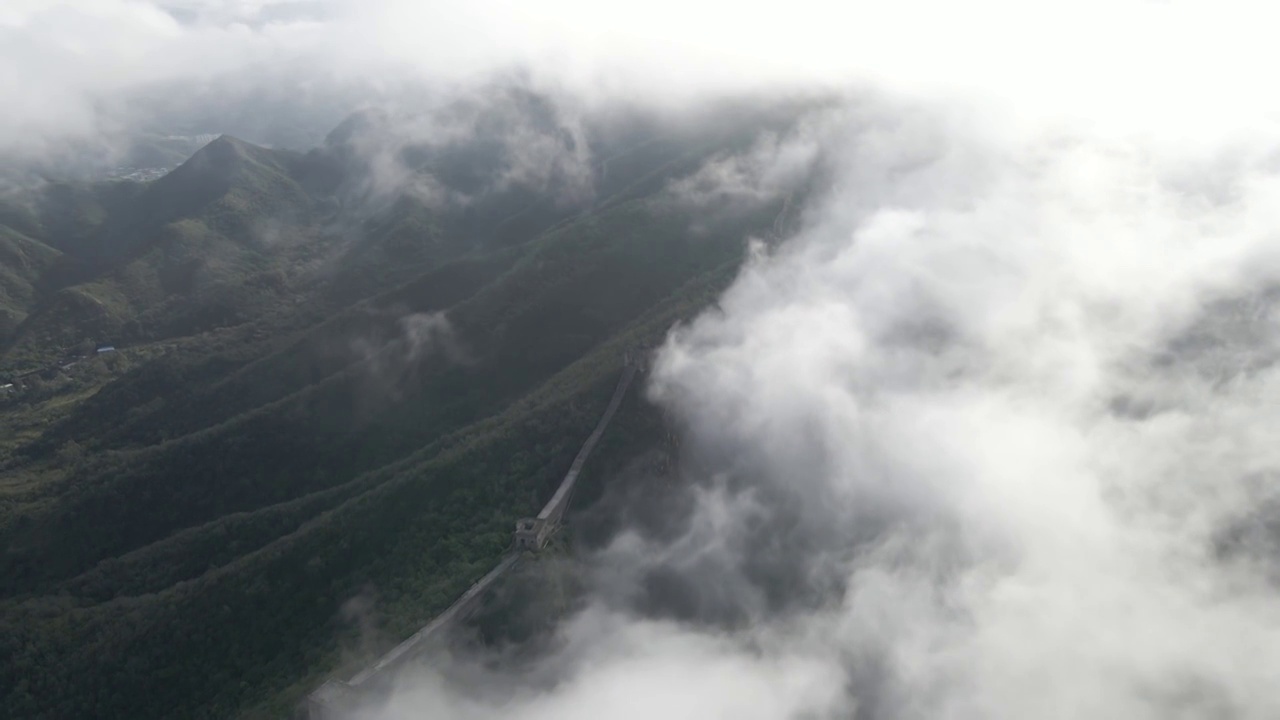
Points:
(318, 390)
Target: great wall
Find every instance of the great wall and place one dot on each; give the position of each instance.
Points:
(339, 699)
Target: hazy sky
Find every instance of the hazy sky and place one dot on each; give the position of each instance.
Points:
(1180, 68)
(1013, 380)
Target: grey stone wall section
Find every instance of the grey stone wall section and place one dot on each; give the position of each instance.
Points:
(555, 507)
(336, 700)
(406, 651)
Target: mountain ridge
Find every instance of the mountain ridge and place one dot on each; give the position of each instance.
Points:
(370, 396)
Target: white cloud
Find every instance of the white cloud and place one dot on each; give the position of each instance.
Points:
(942, 346)
(996, 425)
(931, 392)
(1182, 70)
(648, 669)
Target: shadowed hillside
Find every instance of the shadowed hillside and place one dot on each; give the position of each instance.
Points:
(327, 377)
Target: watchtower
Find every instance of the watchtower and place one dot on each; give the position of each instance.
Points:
(530, 534)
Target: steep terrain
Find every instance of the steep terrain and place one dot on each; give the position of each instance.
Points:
(330, 378)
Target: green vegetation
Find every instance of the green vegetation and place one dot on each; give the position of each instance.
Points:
(308, 400)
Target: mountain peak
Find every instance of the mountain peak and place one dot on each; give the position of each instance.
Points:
(355, 125)
(225, 163)
(222, 154)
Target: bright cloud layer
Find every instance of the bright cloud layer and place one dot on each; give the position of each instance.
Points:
(1005, 403)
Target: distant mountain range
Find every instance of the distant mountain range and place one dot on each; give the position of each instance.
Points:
(347, 368)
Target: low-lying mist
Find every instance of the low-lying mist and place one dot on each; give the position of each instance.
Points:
(990, 434)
